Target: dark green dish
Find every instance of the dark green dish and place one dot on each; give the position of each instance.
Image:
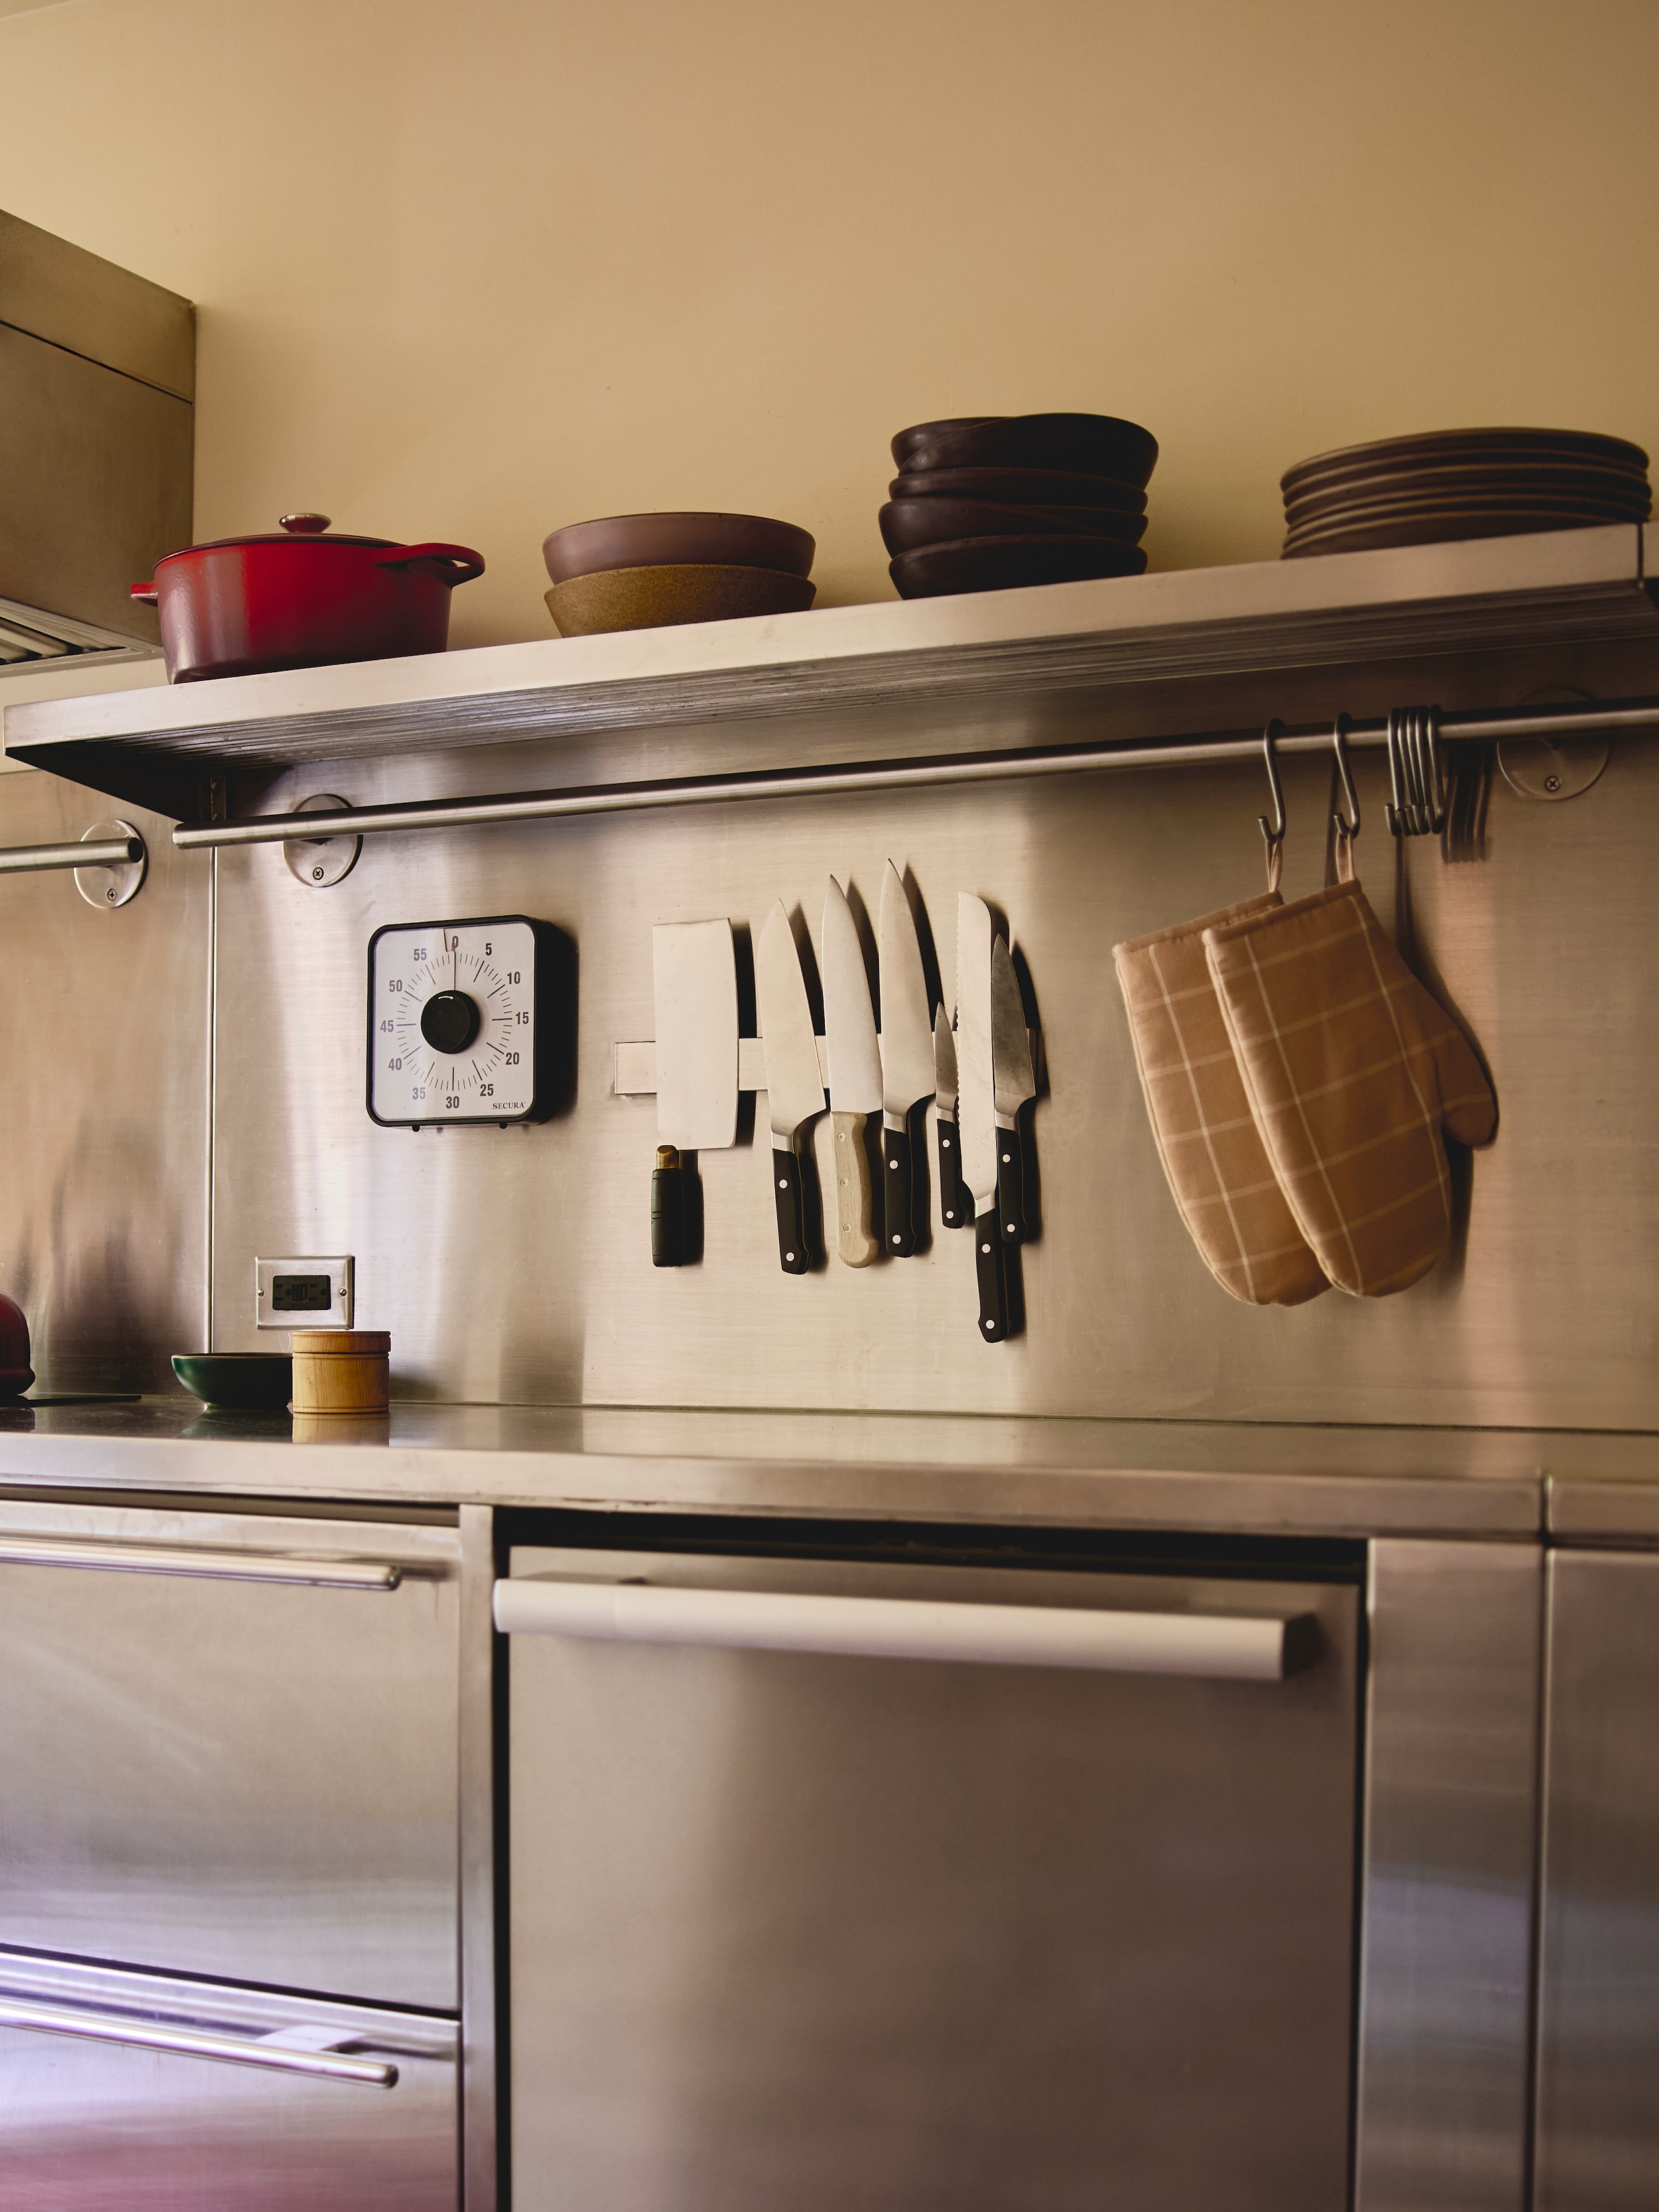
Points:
(241, 1379)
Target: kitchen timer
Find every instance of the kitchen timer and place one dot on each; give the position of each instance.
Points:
(463, 1019)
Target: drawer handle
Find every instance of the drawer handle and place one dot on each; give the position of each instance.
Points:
(220, 1566)
(1238, 1647)
(195, 2043)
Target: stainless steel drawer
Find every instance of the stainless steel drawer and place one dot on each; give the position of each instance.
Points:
(136, 2093)
(907, 1887)
(229, 1746)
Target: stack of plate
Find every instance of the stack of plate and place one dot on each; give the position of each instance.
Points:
(1461, 484)
(989, 502)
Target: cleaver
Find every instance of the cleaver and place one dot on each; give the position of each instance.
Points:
(694, 974)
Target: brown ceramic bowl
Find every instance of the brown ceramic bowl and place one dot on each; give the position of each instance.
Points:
(1099, 444)
(661, 541)
(654, 597)
(1019, 488)
(923, 434)
(906, 524)
(1005, 564)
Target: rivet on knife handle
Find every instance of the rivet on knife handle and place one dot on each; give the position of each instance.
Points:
(955, 1210)
(993, 1287)
(856, 1239)
(898, 1223)
(792, 1255)
(1011, 1186)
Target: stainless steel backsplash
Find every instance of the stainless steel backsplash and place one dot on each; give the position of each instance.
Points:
(515, 1264)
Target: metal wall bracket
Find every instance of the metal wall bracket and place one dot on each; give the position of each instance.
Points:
(319, 863)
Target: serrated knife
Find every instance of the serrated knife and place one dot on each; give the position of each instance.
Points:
(795, 1088)
(907, 1058)
(1014, 1084)
(976, 1108)
(849, 1029)
(954, 1209)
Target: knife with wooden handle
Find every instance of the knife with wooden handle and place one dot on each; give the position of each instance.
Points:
(849, 1028)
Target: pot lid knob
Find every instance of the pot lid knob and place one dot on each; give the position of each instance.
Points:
(304, 525)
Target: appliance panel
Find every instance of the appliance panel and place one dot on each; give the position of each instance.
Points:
(216, 1775)
(1598, 2113)
(821, 1931)
(97, 2125)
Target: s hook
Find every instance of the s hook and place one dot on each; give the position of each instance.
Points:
(1273, 833)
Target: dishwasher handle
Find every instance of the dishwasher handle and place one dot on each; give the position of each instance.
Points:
(224, 1565)
(195, 2043)
(1238, 1647)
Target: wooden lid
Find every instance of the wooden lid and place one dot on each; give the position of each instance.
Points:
(357, 1341)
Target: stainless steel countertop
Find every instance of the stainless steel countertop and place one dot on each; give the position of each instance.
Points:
(1238, 1477)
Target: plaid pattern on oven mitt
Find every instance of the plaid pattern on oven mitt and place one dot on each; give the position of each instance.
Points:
(1351, 1069)
(1217, 1170)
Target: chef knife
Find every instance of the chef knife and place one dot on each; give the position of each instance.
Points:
(1014, 1083)
(976, 1108)
(907, 1057)
(694, 986)
(795, 1087)
(849, 1029)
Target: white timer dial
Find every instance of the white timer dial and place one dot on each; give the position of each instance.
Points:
(452, 1021)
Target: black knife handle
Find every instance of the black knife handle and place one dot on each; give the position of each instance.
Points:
(954, 1209)
(1011, 1186)
(668, 1209)
(993, 1287)
(793, 1257)
(898, 1215)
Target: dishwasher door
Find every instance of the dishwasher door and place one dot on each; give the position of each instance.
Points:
(142, 2092)
(849, 1884)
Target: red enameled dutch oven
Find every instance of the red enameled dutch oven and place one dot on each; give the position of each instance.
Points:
(297, 600)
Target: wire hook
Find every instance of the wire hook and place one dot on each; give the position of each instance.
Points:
(1273, 833)
(1347, 825)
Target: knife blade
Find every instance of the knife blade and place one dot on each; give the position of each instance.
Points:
(907, 1057)
(695, 987)
(795, 1088)
(953, 1202)
(1013, 1083)
(976, 1108)
(849, 1029)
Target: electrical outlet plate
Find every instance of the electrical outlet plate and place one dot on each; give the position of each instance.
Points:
(303, 1293)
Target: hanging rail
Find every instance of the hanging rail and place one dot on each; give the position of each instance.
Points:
(107, 853)
(890, 776)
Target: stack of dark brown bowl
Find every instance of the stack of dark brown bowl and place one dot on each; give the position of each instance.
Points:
(1461, 484)
(989, 502)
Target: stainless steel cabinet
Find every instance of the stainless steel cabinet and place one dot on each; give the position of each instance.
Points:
(1598, 2091)
(817, 1928)
(138, 2092)
(229, 1746)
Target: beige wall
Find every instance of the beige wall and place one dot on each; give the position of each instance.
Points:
(472, 271)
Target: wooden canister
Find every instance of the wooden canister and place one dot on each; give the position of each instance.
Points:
(341, 1370)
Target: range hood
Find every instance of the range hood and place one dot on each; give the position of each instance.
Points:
(97, 434)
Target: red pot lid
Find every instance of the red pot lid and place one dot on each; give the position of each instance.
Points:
(302, 527)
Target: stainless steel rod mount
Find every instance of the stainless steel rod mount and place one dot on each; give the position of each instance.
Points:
(851, 776)
(1239, 1647)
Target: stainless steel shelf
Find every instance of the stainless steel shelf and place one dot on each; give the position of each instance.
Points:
(924, 668)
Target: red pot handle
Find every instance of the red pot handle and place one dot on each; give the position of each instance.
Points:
(147, 593)
(460, 557)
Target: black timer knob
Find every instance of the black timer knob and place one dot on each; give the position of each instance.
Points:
(449, 1021)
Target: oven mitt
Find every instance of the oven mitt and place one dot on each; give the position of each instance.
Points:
(1218, 1169)
(1351, 1069)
